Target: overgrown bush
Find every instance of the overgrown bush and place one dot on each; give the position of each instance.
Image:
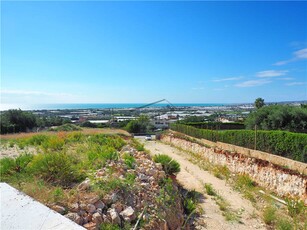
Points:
(10, 166)
(170, 166)
(295, 207)
(269, 215)
(54, 143)
(129, 160)
(7, 166)
(56, 168)
(284, 224)
(102, 139)
(190, 201)
(286, 144)
(37, 140)
(210, 190)
(136, 144)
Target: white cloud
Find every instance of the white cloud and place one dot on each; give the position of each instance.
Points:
(198, 88)
(227, 79)
(296, 83)
(301, 54)
(253, 83)
(297, 55)
(272, 73)
(32, 93)
(286, 78)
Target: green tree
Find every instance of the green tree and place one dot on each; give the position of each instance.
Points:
(141, 125)
(16, 120)
(259, 102)
(278, 117)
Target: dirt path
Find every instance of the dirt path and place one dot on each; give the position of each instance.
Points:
(193, 177)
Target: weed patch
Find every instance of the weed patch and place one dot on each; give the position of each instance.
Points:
(170, 166)
(210, 190)
(269, 215)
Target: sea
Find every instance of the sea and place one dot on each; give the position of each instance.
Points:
(4, 107)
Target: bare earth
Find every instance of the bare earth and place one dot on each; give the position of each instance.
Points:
(193, 177)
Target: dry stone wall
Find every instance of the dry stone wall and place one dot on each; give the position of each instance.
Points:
(284, 182)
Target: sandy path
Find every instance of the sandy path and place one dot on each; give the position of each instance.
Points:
(193, 177)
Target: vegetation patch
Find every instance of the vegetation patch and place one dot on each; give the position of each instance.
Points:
(170, 166)
(66, 128)
(74, 171)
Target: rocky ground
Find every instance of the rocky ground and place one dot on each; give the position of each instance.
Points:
(145, 202)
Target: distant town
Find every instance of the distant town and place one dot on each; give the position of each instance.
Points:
(160, 116)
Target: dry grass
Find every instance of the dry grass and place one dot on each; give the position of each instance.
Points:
(84, 131)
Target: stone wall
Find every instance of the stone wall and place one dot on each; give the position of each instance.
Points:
(282, 181)
(274, 159)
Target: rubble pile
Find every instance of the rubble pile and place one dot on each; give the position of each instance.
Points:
(143, 198)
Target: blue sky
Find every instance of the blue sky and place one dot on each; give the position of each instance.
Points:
(118, 52)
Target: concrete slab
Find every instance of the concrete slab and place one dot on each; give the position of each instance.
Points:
(20, 211)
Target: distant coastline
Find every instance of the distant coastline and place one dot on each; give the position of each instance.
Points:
(101, 106)
(72, 106)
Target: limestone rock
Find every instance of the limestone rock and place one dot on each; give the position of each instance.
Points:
(58, 209)
(143, 177)
(128, 214)
(74, 207)
(91, 226)
(99, 204)
(93, 199)
(90, 208)
(114, 216)
(84, 185)
(97, 218)
(74, 217)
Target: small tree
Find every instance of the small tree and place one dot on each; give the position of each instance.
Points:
(259, 102)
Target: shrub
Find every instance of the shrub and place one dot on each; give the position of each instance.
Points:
(189, 205)
(37, 140)
(190, 201)
(210, 190)
(107, 226)
(244, 182)
(129, 160)
(170, 166)
(130, 178)
(56, 168)
(137, 145)
(9, 166)
(295, 207)
(269, 215)
(284, 224)
(58, 194)
(22, 162)
(54, 143)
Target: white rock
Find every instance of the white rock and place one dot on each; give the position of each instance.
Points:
(97, 218)
(74, 207)
(128, 214)
(58, 209)
(143, 177)
(74, 217)
(114, 216)
(84, 185)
